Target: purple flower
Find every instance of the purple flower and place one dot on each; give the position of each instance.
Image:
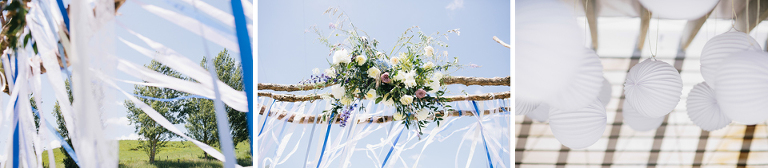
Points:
(385, 77)
(421, 93)
(331, 25)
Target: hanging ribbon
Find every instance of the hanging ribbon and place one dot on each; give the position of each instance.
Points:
(63, 13)
(392, 148)
(487, 153)
(266, 117)
(246, 57)
(64, 143)
(325, 141)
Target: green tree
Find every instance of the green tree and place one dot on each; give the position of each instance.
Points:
(201, 118)
(68, 161)
(153, 136)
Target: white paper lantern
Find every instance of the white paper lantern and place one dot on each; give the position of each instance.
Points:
(720, 47)
(742, 87)
(639, 122)
(548, 42)
(540, 114)
(584, 86)
(679, 9)
(605, 92)
(653, 88)
(581, 128)
(703, 109)
(523, 107)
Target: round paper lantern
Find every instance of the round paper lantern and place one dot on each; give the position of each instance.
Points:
(605, 92)
(548, 42)
(653, 88)
(703, 109)
(584, 86)
(581, 128)
(720, 47)
(639, 122)
(742, 87)
(540, 114)
(679, 9)
(522, 107)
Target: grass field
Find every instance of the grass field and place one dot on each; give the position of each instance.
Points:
(177, 154)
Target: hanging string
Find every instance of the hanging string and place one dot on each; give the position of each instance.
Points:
(657, 38)
(747, 16)
(586, 26)
(733, 15)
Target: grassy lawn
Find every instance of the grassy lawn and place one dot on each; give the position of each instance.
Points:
(176, 154)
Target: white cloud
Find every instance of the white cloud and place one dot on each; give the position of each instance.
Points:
(456, 4)
(120, 121)
(133, 136)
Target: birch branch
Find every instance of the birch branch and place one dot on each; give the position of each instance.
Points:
(310, 119)
(312, 97)
(496, 81)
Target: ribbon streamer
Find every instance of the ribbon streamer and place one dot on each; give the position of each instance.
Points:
(487, 153)
(325, 141)
(392, 148)
(64, 143)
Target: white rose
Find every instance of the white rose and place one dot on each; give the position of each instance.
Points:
(406, 100)
(400, 76)
(316, 71)
(409, 78)
(422, 114)
(374, 72)
(429, 51)
(337, 91)
(429, 65)
(398, 116)
(360, 59)
(346, 101)
(435, 86)
(394, 60)
(409, 82)
(341, 56)
(330, 72)
(370, 94)
(389, 102)
(437, 76)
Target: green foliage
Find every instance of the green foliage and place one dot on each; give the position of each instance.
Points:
(67, 160)
(154, 136)
(200, 113)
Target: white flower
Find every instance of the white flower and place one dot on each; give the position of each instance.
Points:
(389, 102)
(341, 56)
(429, 51)
(422, 114)
(398, 116)
(394, 60)
(429, 65)
(406, 100)
(360, 59)
(357, 91)
(330, 72)
(316, 71)
(445, 53)
(437, 76)
(435, 86)
(409, 78)
(346, 101)
(337, 91)
(400, 76)
(370, 94)
(374, 72)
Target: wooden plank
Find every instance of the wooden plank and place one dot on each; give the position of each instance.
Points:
(692, 28)
(645, 20)
(590, 11)
(747, 18)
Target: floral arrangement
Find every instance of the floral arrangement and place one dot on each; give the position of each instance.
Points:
(409, 80)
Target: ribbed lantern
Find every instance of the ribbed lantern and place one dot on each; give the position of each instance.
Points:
(742, 87)
(584, 86)
(639, 122)
(580, 128)
(703, 109)
(679, 9)
(523, 107)
(540, 114)
(548, 42)
(720, 47)
(653, 88)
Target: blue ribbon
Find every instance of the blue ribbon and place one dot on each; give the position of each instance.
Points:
(64, 143)
(392, 148)
(16, 142)
(325, 141)
(171, 99)
(246, 58)
(267, 117)
(63, 13)
(487, 153)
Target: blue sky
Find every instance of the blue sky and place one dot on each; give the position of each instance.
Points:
(155, 28)
(287, 54)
